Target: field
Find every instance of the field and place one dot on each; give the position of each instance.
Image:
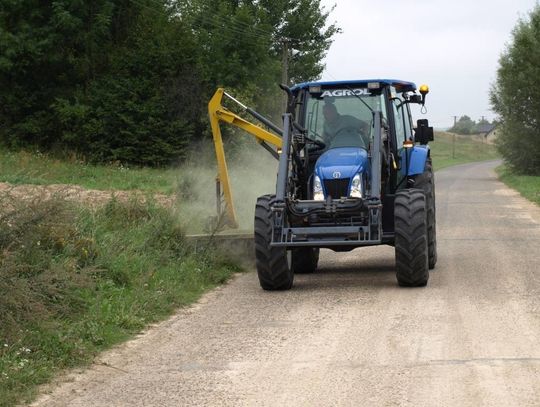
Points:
(33, 167)
(449, 149)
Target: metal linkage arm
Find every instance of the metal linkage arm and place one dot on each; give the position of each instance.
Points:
(217, 114)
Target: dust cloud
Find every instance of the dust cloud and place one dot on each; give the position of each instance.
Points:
(252, 172)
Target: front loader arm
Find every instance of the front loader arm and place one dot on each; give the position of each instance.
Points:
(217, 114)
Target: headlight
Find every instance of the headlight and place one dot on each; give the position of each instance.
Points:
(357, 187)
(318, 194)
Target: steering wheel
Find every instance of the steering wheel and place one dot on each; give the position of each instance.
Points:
(349, 135)
(320, 145)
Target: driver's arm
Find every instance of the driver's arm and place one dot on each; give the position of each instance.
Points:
(327, 136)
(363, 128)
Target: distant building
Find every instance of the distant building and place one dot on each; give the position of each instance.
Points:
(485, 129)
(491, 135)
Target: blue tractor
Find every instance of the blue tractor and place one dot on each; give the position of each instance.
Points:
(353, 171)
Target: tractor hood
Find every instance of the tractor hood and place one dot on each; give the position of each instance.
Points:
(342, 162)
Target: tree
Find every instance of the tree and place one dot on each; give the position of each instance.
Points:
(464, 125)
(240, 43)
(515, 97)
(305, 24)
(115, 80)
(128, 80)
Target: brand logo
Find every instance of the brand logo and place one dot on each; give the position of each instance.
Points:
(345, 92)
(336, 174)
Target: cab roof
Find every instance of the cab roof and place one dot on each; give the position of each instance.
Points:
(401, 86)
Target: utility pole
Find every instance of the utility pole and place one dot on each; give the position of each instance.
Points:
(285, 70)
(454, 140)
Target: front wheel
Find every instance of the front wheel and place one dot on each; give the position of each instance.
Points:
(426, 182)
(273, 263)
(411, 238)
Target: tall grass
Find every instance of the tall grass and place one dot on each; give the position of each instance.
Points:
(75, 281)
(25, 167)
(449, 149)
(526, 185)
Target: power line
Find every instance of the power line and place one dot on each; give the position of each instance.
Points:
(242, 24)
(239, 26)
(236, 27)
(233, 29)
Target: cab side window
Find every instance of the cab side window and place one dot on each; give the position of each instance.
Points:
(408, 122)
(399, 122)
(402, 118)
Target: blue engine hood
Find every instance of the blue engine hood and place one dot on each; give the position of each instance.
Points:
(342, 162)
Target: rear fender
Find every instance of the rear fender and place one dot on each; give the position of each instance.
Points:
(413, 160)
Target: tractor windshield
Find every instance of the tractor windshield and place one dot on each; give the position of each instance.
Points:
(340, 118)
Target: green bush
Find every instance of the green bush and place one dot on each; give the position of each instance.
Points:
(74, 281)
(515, 97)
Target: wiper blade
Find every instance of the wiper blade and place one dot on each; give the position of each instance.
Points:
(359, 98)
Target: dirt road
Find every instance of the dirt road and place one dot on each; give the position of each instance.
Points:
(348, 335)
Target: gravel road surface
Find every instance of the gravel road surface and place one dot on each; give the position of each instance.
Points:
(348, 335)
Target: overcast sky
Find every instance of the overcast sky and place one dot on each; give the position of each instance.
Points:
(453, 46)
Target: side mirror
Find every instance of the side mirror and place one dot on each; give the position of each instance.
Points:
(423, 133)
(416, 99)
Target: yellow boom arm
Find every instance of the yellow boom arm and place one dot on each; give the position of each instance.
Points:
(217, 114)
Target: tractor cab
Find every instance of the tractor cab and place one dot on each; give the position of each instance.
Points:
(339, 115)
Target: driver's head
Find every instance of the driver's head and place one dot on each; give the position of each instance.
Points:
(330, 112)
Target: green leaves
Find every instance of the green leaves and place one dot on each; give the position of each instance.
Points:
(515, 97)
(128, 80)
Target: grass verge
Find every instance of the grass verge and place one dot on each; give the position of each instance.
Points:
(73, 282)
(448, 150)
(24, 167)
(526, 185)
(39, 169)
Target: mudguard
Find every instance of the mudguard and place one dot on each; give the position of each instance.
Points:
(413, 160)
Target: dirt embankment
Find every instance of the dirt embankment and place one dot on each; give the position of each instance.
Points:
(74, 193)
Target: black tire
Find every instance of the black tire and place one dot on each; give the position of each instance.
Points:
(273, 264)
(426, 182)
(411, 244)
(305, 260)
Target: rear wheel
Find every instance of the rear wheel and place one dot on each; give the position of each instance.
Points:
(411, 241)
(305, 260)
(426, 182)
(273, 263)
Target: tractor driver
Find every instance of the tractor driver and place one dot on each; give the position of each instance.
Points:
(343, 130)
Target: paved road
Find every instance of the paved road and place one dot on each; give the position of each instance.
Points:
(348, 335)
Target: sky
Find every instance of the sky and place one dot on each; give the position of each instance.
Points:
(452, 46)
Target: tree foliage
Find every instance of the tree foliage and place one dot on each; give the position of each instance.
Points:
(515, 97)
(102, 78)
(128, 80)
(464, 125)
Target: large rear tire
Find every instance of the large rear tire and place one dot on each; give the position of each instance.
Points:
(426, 182)
(411, 242)
(273, 263)
(305, 260)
